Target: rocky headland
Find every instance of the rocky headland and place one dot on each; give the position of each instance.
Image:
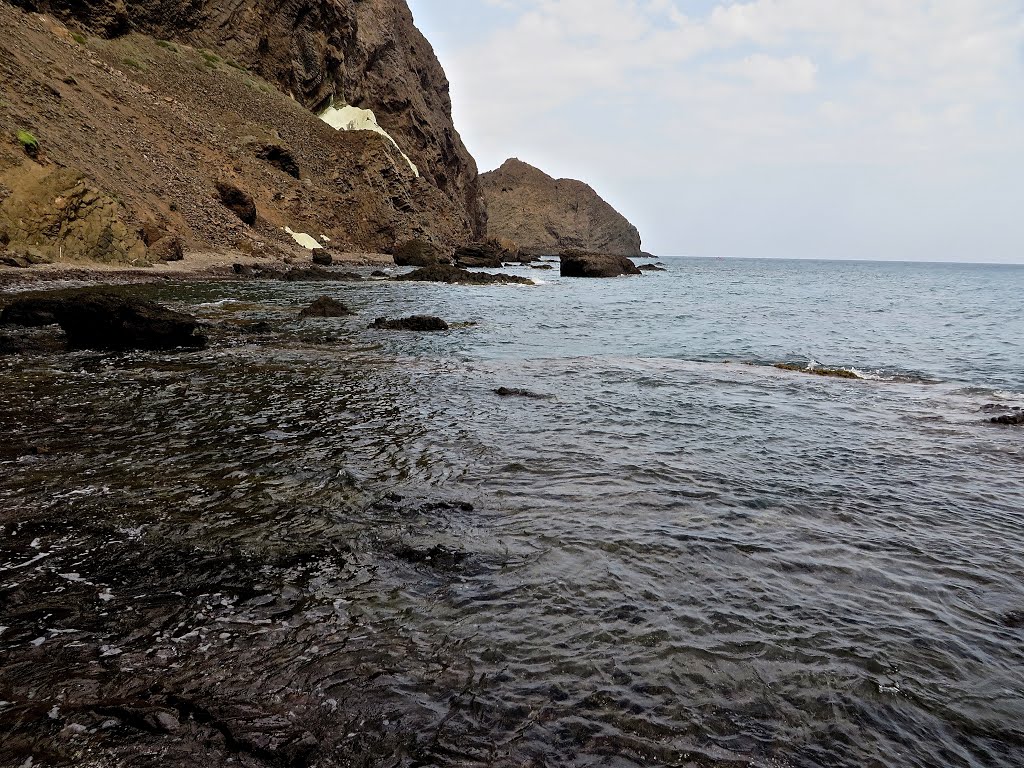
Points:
(547, 216)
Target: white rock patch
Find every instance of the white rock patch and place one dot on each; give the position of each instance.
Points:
(355, 119)
(306, 241)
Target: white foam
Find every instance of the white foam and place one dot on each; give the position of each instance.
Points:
(306, 241)
(355, 119)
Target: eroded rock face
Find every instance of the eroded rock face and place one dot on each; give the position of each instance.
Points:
(60, 214)
(367, 53)
(546, 215)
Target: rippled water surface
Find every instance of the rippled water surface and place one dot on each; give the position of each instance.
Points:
(329, 546)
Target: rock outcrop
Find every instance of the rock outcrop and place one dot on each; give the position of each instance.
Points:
(364, 53)
(445, 273)
(546, 215)
(579, 264)
(105, 319)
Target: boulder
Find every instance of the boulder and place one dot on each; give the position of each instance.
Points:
(490, 254)
(105, 319)
(651, 268)
(322, 258)
(445, 273)
(325, 306)
(238, 201)
(418, 253)
(580, 264)
(422, 323)
(1014, 419)
(167, 248)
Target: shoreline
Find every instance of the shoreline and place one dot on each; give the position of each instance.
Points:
(196, 266)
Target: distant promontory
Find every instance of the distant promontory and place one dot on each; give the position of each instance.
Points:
(543, 214)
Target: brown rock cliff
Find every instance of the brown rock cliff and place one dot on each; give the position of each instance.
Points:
(543, 214)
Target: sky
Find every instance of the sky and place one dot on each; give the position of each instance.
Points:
(840, 129)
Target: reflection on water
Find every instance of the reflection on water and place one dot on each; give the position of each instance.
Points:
(326, 545)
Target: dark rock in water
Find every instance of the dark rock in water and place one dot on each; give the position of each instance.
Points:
(238, 201)
(837, 373)
(257, 328)
(379, 273)
(541, 266)
(443, 273)
(1013, 619)
(651, 268)
(580, 264)
(436, 557)
(490, 254)
(325, 306)
(419, 253)
(104, 319)
(314, 274)
(280, 157)
(515, 392)
(31, 341)
(1010, 419)
(322, 258)
(423, 323)
(243, 270)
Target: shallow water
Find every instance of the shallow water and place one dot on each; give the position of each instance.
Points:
(340, 547)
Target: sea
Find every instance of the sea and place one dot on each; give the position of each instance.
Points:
(666, 551)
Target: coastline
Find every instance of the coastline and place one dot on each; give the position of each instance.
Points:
(199, 265)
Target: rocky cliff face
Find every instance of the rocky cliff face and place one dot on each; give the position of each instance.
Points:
(366, 53)
(543, 214)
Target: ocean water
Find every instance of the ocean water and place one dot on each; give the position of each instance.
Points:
(679, 555)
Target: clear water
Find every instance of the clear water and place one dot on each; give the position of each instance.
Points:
(683, 556)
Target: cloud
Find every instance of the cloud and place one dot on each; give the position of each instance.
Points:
(921, 89)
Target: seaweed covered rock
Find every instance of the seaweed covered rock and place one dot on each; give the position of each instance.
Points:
(421, 323)
(325, 306)
(444, 273)
(106, 319)
(581, 264)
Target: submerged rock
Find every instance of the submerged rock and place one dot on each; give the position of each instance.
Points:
(580, 264)
(104, 319)
(1010, 419)
(838, 373)
(516, 392)
(651, 268)
(443, 273)
(325, 306)
(422, 323)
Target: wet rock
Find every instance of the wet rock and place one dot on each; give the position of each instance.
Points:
(104, 319)
(541, 266)
(420, 323)
(238, 201)
(436, 557)
(490, 254)
(651, 268)
(379, 273)
(23, 258)
(322, 258)
(516, 392)
(419, 253)
(1010, 419)
(837, 373)
(30, 341)
(257, 328)
(167, 248)
(1013, 619)
(580, 264)
(443, 273)
(325, 306)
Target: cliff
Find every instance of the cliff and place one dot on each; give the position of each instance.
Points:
(156, 102)
(543, 214)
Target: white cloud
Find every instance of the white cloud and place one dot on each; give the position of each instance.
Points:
(915, 88)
